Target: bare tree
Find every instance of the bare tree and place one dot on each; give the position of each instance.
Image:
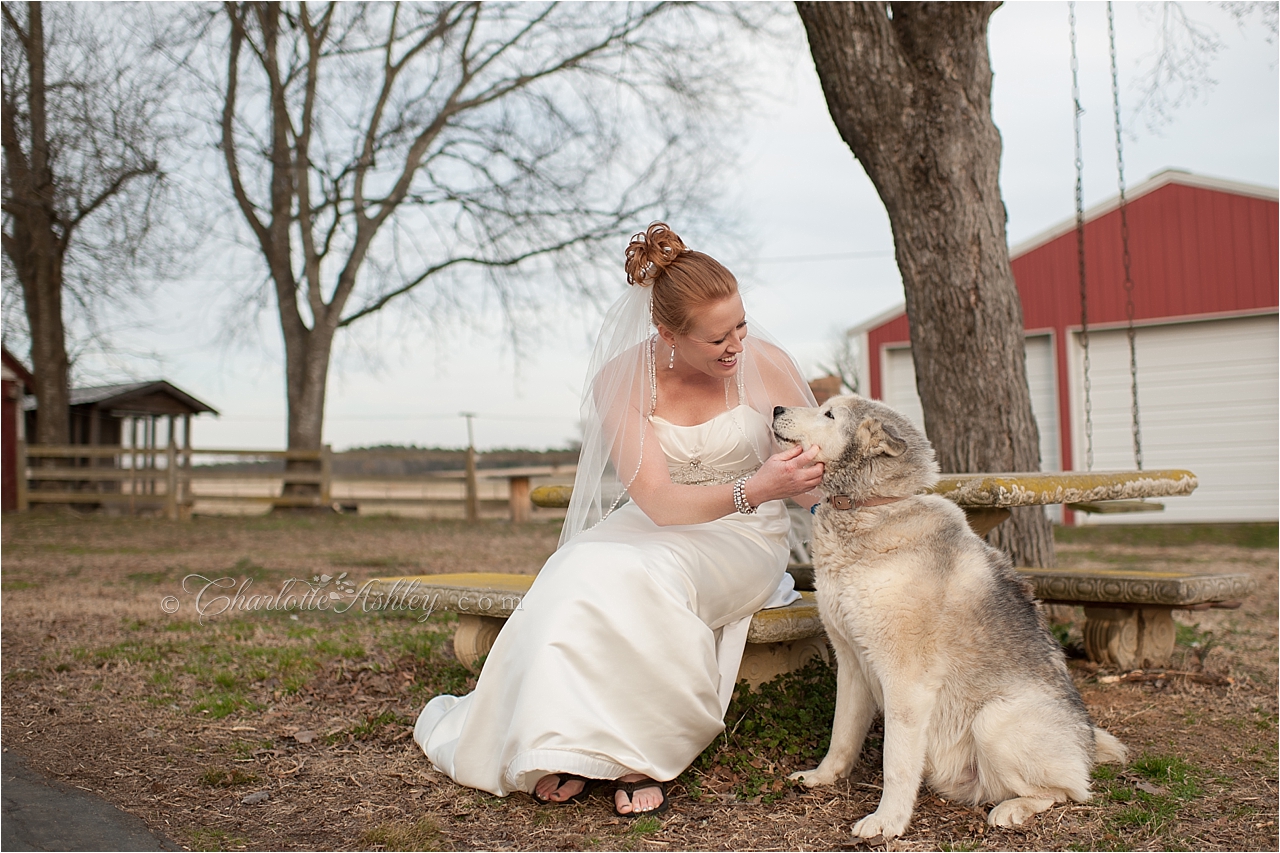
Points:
(83, 134)
(384, 153)
(909, 88)
(1177, 69)
(841, 360)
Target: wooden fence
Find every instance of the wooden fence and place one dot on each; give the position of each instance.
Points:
(181, 481)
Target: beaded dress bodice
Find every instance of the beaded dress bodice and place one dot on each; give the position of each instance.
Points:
(714, 452)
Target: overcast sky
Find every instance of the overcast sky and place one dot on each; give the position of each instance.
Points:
(800, 197)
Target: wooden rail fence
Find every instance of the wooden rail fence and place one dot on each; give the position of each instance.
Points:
(168, 479)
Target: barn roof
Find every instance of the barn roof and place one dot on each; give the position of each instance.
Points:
(1151, 184)
(1098, 211)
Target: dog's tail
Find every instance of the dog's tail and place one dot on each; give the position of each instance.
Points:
(1108, 750)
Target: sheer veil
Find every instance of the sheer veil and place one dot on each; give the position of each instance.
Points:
(619, 396)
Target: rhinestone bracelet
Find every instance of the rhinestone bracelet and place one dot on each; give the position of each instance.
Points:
(740, 496)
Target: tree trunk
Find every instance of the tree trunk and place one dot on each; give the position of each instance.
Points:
(38, 244)
(42, 295)
(909, 89)
(307, 349)
(307, 366)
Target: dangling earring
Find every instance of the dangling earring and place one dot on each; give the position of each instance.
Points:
(671, 365)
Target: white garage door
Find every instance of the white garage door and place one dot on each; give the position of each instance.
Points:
(898, 384)
(1208, 401)
(899, 390)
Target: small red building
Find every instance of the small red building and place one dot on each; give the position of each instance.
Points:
(1206, 277)
(17, 382)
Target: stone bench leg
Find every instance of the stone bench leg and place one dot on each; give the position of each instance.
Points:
(763, 662)
(474, 637)
(1129, 637)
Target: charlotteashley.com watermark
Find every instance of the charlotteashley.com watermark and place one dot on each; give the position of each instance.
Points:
(213, 597)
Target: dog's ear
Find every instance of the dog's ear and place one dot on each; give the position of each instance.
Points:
(881, 438)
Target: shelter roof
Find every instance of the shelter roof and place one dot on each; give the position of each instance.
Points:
(153, 397)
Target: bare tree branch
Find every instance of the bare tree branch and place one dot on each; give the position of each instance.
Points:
(247, 207)
(1180, 59)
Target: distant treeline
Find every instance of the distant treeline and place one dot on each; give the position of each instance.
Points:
(399, 460)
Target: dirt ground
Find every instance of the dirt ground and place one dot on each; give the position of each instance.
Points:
(291, 730)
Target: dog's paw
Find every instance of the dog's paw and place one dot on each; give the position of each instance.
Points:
(874, 825)
(811, 778)
(1016, 811)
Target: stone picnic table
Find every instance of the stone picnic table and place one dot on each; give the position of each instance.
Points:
(987, 498)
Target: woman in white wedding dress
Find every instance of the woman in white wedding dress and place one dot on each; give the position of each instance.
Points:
(621, 660)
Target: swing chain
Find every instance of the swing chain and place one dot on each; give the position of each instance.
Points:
(1084, 298)
(1124, 242)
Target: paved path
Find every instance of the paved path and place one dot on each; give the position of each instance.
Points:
(41, 814)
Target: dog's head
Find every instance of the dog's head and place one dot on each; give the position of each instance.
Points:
(868, 449)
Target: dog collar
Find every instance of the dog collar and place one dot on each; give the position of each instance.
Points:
(844, 502)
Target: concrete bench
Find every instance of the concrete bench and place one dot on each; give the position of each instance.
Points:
(1128, 621)
(1128, 612)
(778, 640)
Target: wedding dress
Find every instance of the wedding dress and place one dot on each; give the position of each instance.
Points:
(623, 655)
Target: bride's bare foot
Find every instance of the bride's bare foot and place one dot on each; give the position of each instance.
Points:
(649, 798)
(558, 787)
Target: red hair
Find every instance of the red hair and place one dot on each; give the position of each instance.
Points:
(682, 280)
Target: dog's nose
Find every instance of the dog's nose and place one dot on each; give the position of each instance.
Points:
(778, 410)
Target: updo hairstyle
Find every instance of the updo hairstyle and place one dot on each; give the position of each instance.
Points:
(682, 280)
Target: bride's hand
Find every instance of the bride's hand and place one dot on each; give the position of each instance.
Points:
(783, 475)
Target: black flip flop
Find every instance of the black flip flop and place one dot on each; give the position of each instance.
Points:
(630, 788)
(587, 786)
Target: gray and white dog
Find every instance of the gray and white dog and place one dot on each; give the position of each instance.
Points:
(932, 626)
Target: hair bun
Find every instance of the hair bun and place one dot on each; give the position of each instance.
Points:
(651, 252)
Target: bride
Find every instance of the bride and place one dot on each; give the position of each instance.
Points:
(621, 660)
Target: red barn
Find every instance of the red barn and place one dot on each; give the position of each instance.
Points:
(1204, 266)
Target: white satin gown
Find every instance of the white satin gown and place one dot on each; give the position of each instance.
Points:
(623, 655)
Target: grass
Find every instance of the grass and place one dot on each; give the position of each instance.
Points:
(155, 578)
(1193, 638)
(219, 705)
(210, 838)
(373, 725)
(1265, 535)
(9, 586)
(222, 777)
(1070, 639)
(237, 664)
(243, 750)
(424, 834)
(133, 651)
(1150, 804)
(86, 550)
(21, 675)
(1175, 774)
(373, 562)
(646, 825)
